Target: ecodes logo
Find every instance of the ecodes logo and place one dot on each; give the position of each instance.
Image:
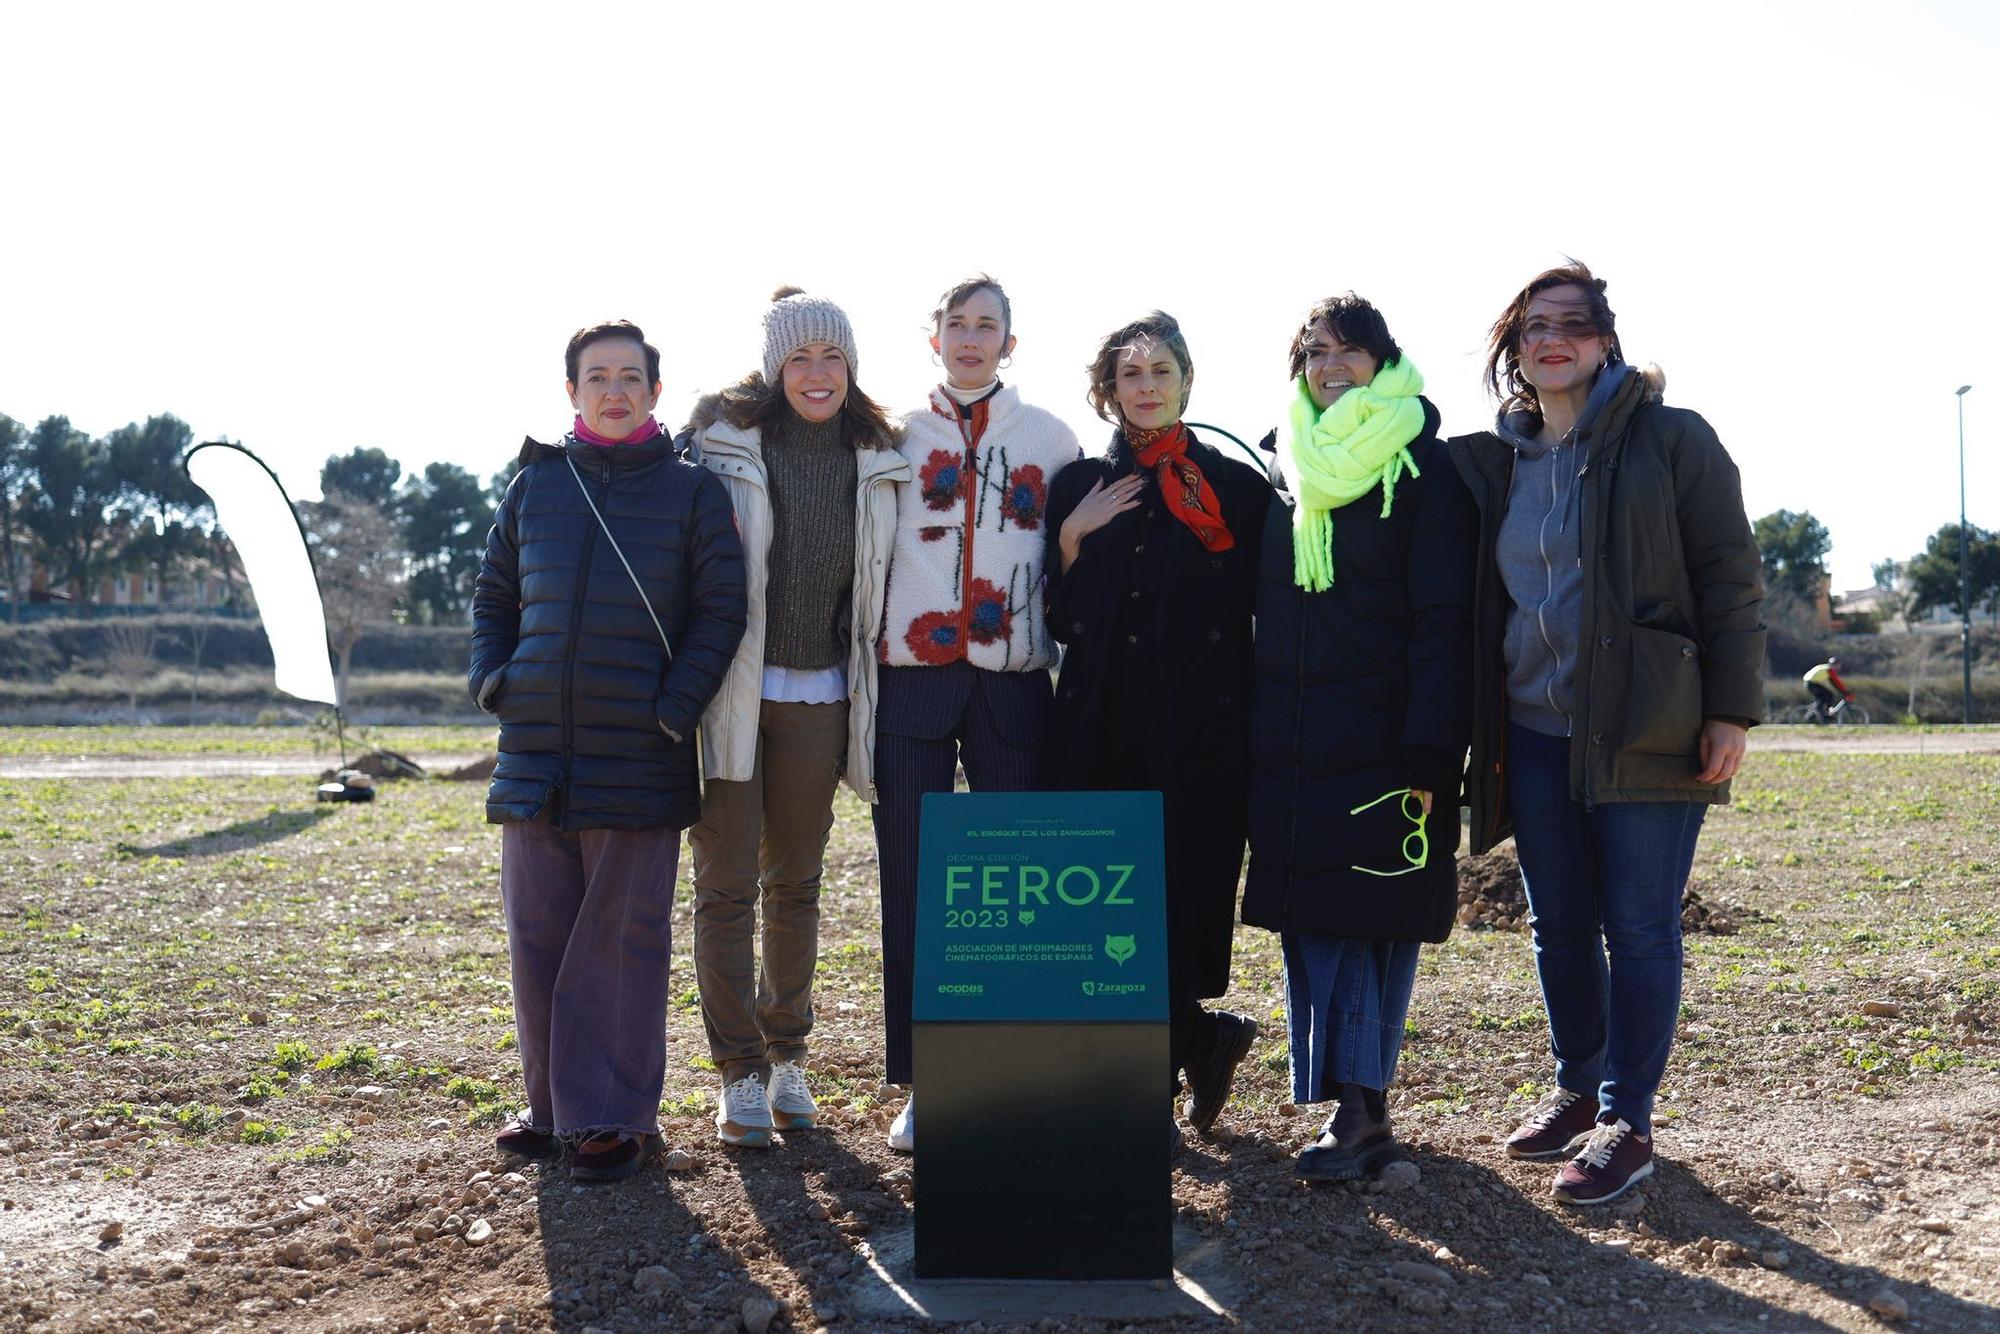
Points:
(961, 989)
(1120, 948)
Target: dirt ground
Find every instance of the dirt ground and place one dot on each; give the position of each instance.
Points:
(252, 1052)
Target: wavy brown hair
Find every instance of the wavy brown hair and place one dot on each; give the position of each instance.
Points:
(1155, 326)
(1503, 344)
(754, 402)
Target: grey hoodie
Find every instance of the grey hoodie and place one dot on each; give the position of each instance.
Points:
(1541, 563)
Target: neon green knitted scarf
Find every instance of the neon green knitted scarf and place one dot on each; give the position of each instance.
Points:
(1335, 457)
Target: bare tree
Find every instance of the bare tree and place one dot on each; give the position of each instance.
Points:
(198, 628)
(362, 570)
(129, 643)
(1914, 649)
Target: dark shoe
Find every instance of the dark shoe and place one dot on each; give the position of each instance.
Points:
(524, 1140)
(1212, 1073)
(1613, 1160)
(1356, 1142)
(612, 1156)
(1555, 1125)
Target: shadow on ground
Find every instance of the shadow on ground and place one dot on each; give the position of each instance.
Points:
(236, 837)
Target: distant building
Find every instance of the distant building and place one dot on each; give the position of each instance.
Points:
(195, 593)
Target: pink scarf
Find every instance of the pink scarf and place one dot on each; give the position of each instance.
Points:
(639, 436)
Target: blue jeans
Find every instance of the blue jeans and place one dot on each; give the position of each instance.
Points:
(1603, 879)
(1345, 1003)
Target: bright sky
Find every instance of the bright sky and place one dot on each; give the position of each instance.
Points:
(312, 228)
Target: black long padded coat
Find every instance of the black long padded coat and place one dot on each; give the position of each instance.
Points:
(587, 697)
(1145, 574)
(1361, 689)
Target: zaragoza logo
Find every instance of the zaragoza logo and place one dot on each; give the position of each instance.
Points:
(1120, 948)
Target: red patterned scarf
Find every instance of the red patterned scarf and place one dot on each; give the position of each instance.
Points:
(1186, 491)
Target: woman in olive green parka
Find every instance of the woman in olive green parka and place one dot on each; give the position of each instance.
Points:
(1617, 668)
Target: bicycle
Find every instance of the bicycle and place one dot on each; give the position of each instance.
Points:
(1845, 712)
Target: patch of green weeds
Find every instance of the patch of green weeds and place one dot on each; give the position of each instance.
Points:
(1528, 1019)
(1936, 1060)
(333, 1148)
(198, 1118)
(358, 1057)
(489, 1103)
(1868, 1059)
(690, 1105)
(262, 1132)
(260, 1088)
(291, 1055)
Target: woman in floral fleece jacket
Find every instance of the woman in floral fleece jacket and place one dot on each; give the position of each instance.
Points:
(965, 653)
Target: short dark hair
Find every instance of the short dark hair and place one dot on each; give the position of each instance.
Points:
(1503, 344)
(597, 333)
(1155, 326)
(959, 293)
(1354, 322)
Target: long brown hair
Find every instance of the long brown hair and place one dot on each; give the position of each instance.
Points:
(1503, 344)
(752, 402)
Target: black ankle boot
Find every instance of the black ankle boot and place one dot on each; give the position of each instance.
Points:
(1356, 1141)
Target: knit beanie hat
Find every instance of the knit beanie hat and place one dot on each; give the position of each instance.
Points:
(794, 319)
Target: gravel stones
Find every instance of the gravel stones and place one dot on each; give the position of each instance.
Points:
(1398, 1176)
(1889, 1305)
(1413, 1271)
(758, 1313)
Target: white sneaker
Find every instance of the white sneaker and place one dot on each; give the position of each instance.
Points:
(744, 1117)
(792, 1105)
(903, 1130)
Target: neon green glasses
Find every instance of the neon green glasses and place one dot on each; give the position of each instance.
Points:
(1413, 811)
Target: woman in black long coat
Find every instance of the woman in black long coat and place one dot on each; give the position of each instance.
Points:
(1360, 716)
(1151, 575)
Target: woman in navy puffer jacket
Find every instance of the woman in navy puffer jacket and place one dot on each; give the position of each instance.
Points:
(598, 688)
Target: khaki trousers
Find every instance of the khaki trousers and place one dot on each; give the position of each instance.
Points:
(761, 848)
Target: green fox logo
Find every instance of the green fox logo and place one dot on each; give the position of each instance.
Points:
(1027, 917)
(1120, 948)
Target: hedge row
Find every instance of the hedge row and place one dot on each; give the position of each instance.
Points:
(44, 650)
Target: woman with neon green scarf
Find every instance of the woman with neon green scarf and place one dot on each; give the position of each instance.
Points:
(1360, 716)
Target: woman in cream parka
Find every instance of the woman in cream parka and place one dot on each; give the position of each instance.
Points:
(811, 467)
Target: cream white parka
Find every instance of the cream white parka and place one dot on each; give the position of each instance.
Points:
(729, 727)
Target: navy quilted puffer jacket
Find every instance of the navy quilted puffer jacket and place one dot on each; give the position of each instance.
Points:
(564, 652)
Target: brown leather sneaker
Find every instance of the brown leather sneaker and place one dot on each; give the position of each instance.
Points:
(611, 1156)
(1613, 1160)
(1552, 1129)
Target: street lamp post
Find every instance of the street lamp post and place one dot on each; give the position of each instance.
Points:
(1964, 568)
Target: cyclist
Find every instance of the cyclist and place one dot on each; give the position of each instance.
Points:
(1822, 680)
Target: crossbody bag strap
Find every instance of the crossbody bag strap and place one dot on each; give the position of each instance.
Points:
(620, 552)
